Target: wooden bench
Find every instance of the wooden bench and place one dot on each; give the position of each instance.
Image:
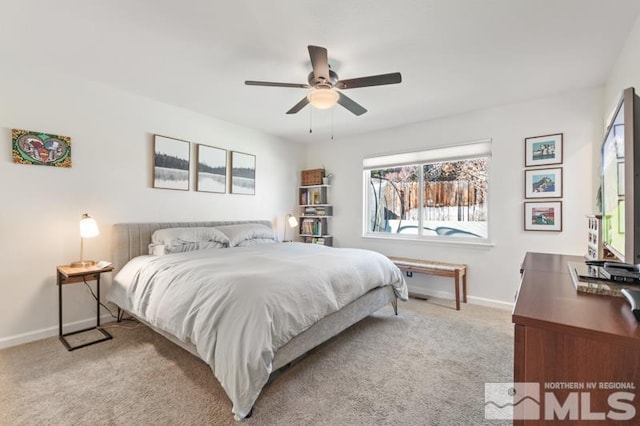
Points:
(456, 271)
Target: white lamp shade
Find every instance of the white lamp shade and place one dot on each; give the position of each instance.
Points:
(88, 227)
(293, 222)
(323, 98)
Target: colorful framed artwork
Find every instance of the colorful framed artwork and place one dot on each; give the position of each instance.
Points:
(243, 173)
(543, 150)
(543, 183)
(171, 163)
(40, 148)
(543, 216)
(211, 169)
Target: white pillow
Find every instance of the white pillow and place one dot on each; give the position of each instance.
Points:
(246, 231)
(161, 249)
(178, 240)
(255, 242)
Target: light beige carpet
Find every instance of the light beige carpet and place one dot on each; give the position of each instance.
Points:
(426, 366)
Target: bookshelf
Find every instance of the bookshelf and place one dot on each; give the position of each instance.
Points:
(315, 214)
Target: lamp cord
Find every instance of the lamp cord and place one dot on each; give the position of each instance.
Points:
(84, 279)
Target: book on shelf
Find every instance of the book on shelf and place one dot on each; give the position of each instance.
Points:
(315, 197)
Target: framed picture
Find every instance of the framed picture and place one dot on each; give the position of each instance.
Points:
(243, 173)
(171, 163)
(543, 150)
(543, 216)
(543, 183)
(621, 178)
(212, 169)
(39, 148)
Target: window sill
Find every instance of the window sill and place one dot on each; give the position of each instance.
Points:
(483, 244)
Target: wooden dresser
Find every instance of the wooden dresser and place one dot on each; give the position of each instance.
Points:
(562, 336)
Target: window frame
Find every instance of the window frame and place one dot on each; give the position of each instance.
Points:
(458, 152)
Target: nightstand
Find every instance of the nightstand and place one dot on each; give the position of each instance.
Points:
(68, 275)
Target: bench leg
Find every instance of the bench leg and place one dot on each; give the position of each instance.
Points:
(457, 276)
(464, 287)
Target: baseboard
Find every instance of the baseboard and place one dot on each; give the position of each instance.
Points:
(32, 336)
(491, 303)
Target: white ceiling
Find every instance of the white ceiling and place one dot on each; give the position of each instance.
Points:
(454, 55)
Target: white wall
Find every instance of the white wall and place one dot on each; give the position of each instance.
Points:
(493, 272)
(625, 72)
(112, 146)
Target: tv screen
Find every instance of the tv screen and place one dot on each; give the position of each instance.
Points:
(620, 183)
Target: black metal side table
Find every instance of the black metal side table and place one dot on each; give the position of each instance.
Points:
(69, 275)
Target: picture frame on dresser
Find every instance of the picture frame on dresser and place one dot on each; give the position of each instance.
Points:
(543, 150)
(171, 163)
(543, 216)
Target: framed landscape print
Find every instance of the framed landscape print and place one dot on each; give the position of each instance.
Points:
(171, 163)
(543, 216)
(39, 148)
(243, 173)
(212, 169)
(543, 150)
(543, 183)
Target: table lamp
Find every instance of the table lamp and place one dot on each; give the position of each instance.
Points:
(292, 222)
(88, 229)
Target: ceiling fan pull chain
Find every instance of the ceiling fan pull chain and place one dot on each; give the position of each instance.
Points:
(331, 124)
(310, 121)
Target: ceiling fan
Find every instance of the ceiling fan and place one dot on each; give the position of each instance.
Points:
(323, 81)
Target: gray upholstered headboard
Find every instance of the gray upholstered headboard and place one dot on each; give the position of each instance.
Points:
(129, 240)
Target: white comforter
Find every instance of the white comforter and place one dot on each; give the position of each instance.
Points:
(239, 305)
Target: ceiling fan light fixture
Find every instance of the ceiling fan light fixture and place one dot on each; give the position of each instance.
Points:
(323, 97)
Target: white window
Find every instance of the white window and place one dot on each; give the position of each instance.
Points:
(441, 193)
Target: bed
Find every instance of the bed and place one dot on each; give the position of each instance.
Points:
(246, 307)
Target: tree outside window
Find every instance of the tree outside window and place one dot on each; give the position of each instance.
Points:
(438, 199)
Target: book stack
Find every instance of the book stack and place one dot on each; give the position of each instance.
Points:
(310, 227)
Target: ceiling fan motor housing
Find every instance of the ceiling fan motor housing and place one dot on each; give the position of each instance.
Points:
(322, 81)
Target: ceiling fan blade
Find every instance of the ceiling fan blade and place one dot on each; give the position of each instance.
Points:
(374, 80)
(272, 84)
(297, 107)
(319, 62)
(351, 105)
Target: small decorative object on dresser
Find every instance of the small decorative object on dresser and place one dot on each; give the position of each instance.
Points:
(594, 237)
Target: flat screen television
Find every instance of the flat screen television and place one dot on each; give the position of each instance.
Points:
(620, 174)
